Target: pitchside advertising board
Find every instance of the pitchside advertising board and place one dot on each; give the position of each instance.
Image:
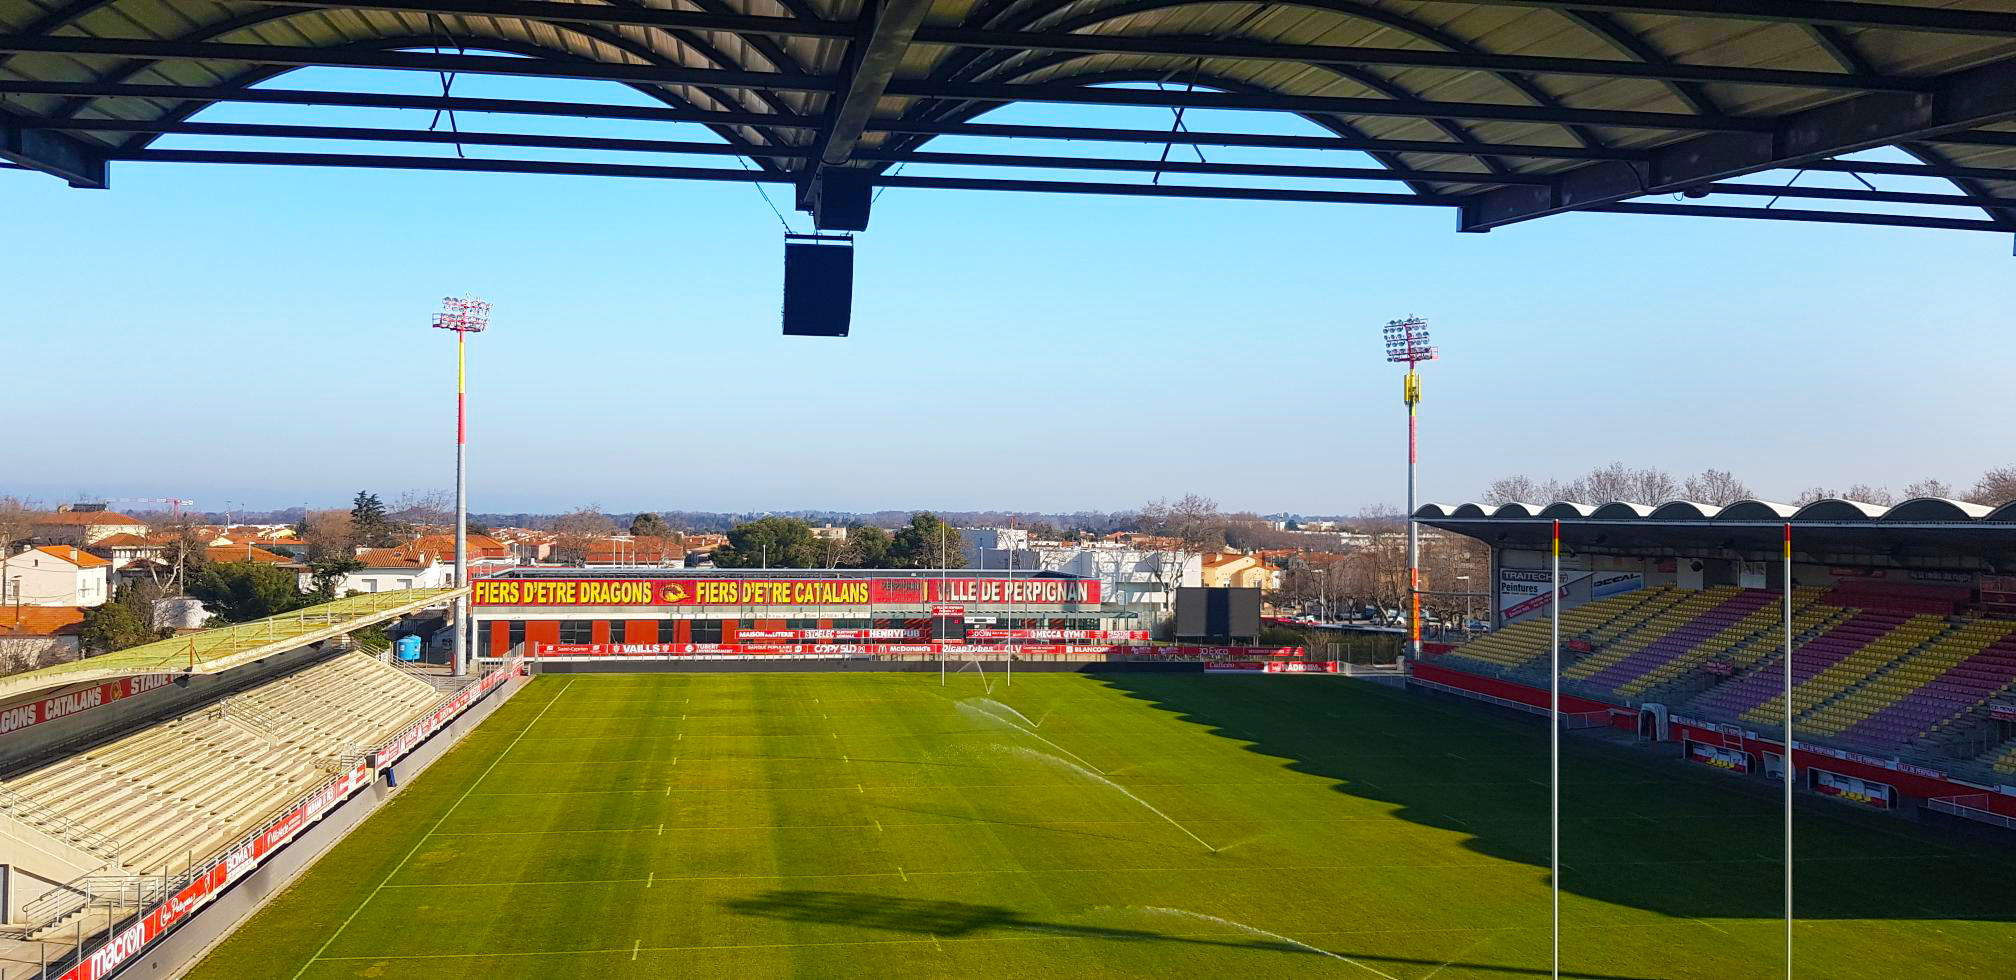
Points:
(1523, 593)
(785, 592)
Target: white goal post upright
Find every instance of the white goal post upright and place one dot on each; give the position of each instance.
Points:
(1554, 749)
(1786, 769)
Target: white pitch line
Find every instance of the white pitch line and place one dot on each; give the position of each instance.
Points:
(1464, 952)
(634, 950)
(900, 874)
(652, 878)
(422, 842)
(661, 830)
(878, 826)
(1710, 925)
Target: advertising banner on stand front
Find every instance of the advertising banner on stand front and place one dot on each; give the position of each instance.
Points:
(81, 698)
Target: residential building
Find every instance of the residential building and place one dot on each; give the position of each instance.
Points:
(1232, 569)
(125, 548)
(829, 532)
(527, 546)
(229, 553)
(34, 636)
(83, 525)
(392, 569)
(487, 553)
(630, 550)
(55, 575)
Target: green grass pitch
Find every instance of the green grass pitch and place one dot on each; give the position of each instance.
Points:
(878, 825)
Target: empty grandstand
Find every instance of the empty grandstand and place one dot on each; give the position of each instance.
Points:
(153, 785)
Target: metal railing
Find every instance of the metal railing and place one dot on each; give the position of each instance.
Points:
(116, 891)
(255, 719)
(1956, 807)
(48, 820)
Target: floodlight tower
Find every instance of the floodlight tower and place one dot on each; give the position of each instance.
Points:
(1407, 343)
(464, 316)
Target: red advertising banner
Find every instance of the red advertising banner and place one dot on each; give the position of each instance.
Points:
(2002, 710)
(708, 591)
(28, 714)
(212, 881)
(949, 612)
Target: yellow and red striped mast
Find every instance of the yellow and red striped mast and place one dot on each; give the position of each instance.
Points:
(464, 316)
(1407, 343)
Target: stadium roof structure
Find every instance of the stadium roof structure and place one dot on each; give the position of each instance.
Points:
(1925, 532)
(213, 651)
(1504, 110)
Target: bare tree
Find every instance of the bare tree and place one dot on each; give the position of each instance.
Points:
(1194, 521)
(1617, 481)
(1520, 489)
(1717, 487)
(1811, 494)
(20, 651)
(576, 531)
(328, 532)
(425, 507)
(17, 521)
(1870, 495)
(1930, 487)
(183, 551)
(1995, 487)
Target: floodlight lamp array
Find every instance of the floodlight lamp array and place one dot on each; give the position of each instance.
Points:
(1407, 341)
(463, 315)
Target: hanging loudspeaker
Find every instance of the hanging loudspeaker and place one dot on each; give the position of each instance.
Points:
(818, 285)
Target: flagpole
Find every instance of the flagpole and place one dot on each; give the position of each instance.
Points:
(1787, 768)
(1554, 747)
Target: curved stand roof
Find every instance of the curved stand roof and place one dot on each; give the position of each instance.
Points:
(1505, 110)
(1924, 532)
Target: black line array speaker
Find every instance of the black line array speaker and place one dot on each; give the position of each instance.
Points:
(818, 286)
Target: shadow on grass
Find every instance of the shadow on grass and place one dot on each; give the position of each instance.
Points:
(1638, 831)
(954, 920)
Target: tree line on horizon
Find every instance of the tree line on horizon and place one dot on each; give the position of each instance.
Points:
(1720, 488)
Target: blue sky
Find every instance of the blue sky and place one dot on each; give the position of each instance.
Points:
(259, 337)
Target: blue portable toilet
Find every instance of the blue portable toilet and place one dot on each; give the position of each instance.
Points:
(409, 648)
